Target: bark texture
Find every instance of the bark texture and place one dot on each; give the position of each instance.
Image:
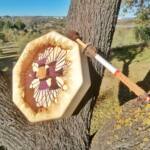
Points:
(95, 20)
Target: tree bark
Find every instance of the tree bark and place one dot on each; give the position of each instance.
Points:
(95, 20)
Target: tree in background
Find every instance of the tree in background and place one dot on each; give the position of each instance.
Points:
(19, 25)
(143, 30)
(1, 24)
(142, 7)
(8, 25)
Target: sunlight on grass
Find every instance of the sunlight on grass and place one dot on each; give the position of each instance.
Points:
(123, 36)
(108, 102)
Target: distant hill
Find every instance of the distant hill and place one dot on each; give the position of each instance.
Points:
(30, 20)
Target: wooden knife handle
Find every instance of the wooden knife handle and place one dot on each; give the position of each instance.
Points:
(131, 85)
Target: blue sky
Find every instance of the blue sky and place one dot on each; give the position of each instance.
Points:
(38, 8)
(34, 7)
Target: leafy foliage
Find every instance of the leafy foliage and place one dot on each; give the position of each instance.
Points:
(142, 31)
(8, 24)
(1, 24)
(143, 14)
(19, 25)
(136, 3)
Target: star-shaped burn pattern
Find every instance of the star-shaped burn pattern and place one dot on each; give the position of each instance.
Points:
(47, 76)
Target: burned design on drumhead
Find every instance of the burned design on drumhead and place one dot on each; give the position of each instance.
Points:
(47, 75)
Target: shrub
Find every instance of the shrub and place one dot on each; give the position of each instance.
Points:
(8, 25)
(142, 33)
(1, 24)
(2, 36)
(19, 25)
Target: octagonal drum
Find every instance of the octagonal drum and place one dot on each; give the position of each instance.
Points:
(50, 78)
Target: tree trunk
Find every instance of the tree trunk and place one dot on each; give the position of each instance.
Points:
(95, 20)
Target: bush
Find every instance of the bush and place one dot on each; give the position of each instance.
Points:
(142, 33)
(2, 36)
(8, 25)
(19, 25)
(1, 24)
(143, 14)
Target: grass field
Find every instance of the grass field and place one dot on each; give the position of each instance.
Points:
(133, 60)
(124, 36)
